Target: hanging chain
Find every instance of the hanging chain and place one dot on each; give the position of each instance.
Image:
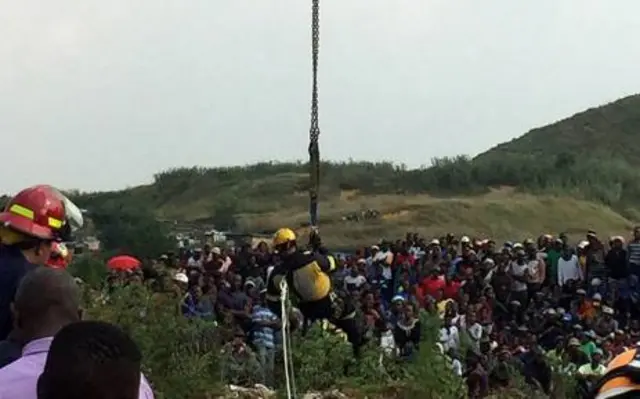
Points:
(314, 131)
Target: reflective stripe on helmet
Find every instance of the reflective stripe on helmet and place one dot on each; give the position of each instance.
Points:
(22, 211)
(25, 212)
(55, 223)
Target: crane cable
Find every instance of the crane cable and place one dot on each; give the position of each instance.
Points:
(289, 372)
(314, 131)
(314, 177)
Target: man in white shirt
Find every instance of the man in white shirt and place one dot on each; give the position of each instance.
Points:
(195, 260)
(568, 268)
(519, 271)
(354, 280)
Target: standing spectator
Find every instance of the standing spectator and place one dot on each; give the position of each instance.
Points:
(195, 261)
(568, 267)
(554, 253)
(537, 269)
(265, 324)
(519, 272)
(633, 253)
(595, 257)
(616, 261)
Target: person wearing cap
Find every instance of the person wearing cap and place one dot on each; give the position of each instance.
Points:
(397, 305)
(575, 356)
(606, 323)
(31, 222)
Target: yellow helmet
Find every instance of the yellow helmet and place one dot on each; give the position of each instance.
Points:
(283, 236)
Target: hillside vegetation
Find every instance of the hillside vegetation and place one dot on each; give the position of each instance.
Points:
(572, 175)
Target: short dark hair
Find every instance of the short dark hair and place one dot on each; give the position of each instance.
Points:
(45, 294)
(86, 358)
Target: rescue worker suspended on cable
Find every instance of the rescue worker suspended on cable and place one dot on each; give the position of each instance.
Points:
(32, 221)
(307, 273)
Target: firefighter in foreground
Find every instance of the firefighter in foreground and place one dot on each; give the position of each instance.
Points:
(307, 273)
(60, 256)
(30, 225)
(622, 378)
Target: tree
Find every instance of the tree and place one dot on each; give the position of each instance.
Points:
(130, 230)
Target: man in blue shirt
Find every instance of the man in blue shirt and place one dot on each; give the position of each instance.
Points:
(265, 324)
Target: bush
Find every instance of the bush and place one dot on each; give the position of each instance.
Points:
(182, 357)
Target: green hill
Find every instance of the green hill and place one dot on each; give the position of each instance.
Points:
(575, 174)
(612, 130)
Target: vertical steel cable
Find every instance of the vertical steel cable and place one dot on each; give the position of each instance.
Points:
(314, 131)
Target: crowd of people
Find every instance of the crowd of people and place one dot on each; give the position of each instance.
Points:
(516, 310)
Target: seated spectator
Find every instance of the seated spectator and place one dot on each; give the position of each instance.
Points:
(239, 364)
(589, 373)
(407, 331)
(449, 335)
(387, 340)
(354, 280)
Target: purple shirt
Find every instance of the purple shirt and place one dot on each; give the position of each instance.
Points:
(19, 379)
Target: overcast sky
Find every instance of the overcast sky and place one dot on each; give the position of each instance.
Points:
(103, 94)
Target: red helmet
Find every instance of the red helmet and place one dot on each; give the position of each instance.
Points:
(37, 211)
(60, 256)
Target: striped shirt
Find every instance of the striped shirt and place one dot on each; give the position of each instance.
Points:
(263, 336)
(633, 250)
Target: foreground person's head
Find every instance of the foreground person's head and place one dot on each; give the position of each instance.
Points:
(91, 359)
(46, 301)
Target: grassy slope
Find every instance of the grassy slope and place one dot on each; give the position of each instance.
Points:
(266, 196)
(503, 214)
(608, 130)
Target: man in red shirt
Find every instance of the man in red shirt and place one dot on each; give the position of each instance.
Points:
(451, 288)
(433, 282)
(404, 257)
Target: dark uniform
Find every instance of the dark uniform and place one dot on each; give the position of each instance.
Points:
(307, 276)
(13, 267)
